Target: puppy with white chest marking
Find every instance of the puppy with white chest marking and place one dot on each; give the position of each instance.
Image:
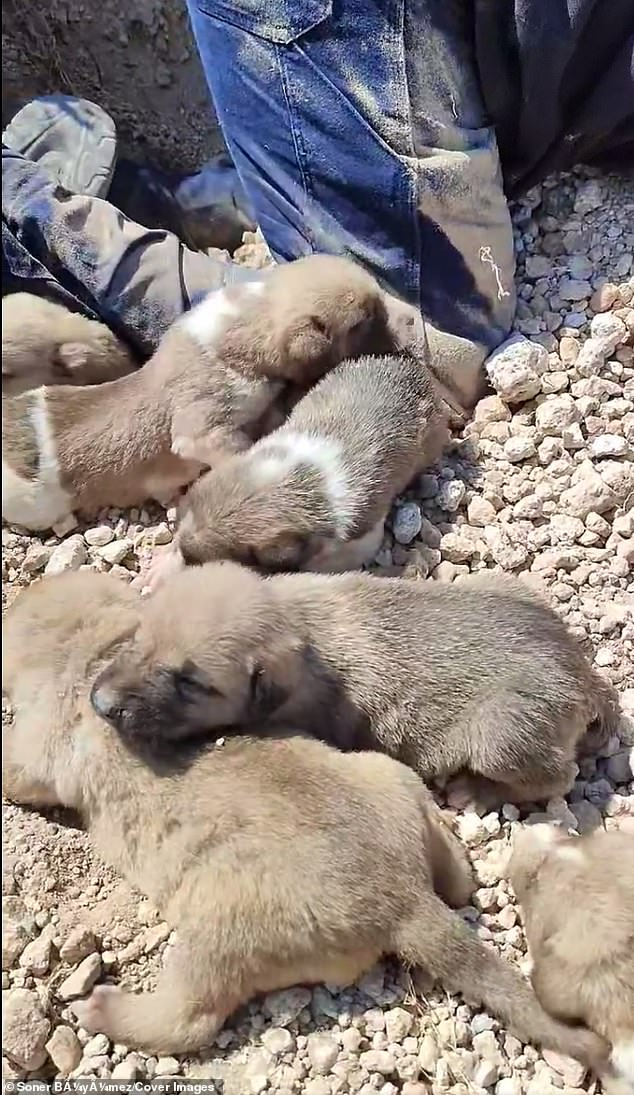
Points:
(577, 898)
(269, 857)
(480, 676)
(314, 495)
(208, 392)
(44, 343)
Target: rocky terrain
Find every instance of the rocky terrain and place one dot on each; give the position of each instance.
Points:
(540, 484)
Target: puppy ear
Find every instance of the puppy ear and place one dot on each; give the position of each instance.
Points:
(265, 694)
(286, 552)
(69, 357)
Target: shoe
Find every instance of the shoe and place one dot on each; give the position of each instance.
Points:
(207, 209)
(74, 139)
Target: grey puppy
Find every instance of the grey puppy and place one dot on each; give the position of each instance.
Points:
(577, 897)
(481, 675)
(269, 857)
(314, 495)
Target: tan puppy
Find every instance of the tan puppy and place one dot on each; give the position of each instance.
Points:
(203, 396)
(269, 857)
(44, 343)
(315, 494)
(577, 897)
(480, 675)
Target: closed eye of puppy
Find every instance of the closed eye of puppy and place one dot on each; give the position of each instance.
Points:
(481, 675)
(577, 898)
(314, 494)
(44, 343)
(203, 396)
(268, 856)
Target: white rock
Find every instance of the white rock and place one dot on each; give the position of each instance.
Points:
(323, 1052)
(471, 829)
(458, 546)
(36, 558)
(279, 1040)
(480, 512)
(407, 522)
(491, 409)
(162, 534)
(259, 1067)
(591, 357)
(36, 956)
(486, 1073)
(82, 979)
(18, 928)
(398, 1024)
(25, 1029)
(589, 196)
(609, 330)
(167, 1066)
(378, 1060)
(97, 1046)
(508, 554)
(129, 1069)
(99, 536)
(608, 444)
(588, 493)
(116, 551)
(565, 530)
(515, 368)
(555, 413)
(64, 1049)
(79, 944)
(573, 1072)
(69, 555)
(451, 494)
(521, 447)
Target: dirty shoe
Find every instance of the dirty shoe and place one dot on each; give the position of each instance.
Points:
(73, 139)
(207, 209)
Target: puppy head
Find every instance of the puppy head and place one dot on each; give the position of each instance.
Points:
(257, 511)
(44, 343)
(532, 846)
(197, 661)
(317, 311)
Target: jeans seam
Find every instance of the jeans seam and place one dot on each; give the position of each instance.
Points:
(300, 152)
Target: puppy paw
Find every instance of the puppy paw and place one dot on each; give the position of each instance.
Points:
(95, 1013)
(163, 564)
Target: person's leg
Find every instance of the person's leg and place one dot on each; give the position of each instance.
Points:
(82, 252)
(359, 127)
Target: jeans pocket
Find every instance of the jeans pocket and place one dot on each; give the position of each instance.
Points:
(280, 21)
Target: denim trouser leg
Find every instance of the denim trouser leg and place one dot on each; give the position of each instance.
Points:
(84, 253)
(357, 126)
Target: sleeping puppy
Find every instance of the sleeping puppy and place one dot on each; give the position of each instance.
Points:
(44, 343)
(577, 897)
(260, 852)
(480, 675)
(315, 494)
(207, 392)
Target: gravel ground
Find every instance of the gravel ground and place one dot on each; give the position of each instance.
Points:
(540, 484)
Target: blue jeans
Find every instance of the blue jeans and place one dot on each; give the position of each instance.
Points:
(358, 126)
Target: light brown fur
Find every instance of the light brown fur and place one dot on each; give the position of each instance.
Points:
(577, 897)
(481, 675)
(207, 392)
(44, 343)
(269, 857)
(314, 495)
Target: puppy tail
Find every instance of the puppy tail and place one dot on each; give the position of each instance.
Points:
(441, 942)
(604, 715)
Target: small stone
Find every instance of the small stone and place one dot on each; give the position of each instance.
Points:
(538, 266)
(451, 494)
(569, 350)
(407, 522)
(591, 358)
(521, 447)
(25, 1029)
(573, 1072)
(18, 929)
(609, 330)
(129, 1069)
(445, 571)
(555, 413)
(486, 1073)
(428, 1054)
(509, 555)
(480, 512)
(64, 1049)
(36, 956)
(589, 196)
(515, 368)
(378, 1060)
(608, 444)
(604, 298)
(82, 979)
(323, 1052)
(491, 409)
(398, 1024)
(619, 767)
(589, 493)
(588, 816)
(351, 1040)
(318, 1086)
(458, 546)
(279, 1040)
(471, 829)
(162, 534)
(574, 289)
(509, 1085)
(167, 1066)
(69, 555)
(284, 1006)
(97, 1046)
(79, 944)
(99, 536)
(116, 551)
(36, 558)
(259, 1067)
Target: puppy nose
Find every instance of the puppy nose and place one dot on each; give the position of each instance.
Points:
(105, 702)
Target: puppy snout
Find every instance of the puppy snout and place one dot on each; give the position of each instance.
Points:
(106, 702)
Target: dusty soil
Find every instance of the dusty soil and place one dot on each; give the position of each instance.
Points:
(541, 485)
(137, 60)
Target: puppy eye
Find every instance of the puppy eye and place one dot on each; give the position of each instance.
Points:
(189, 687)
(319, 325)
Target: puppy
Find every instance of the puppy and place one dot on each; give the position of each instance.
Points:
(260, 853)
(480, 675)
(44, 343)
(314, 495)
(577, 897)
(204, 395)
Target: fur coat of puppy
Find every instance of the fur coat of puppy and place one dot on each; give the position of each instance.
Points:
(44, 343)
(481, 675)
(259, 852)
(314, 495)
(577, 897)
(207, 392)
